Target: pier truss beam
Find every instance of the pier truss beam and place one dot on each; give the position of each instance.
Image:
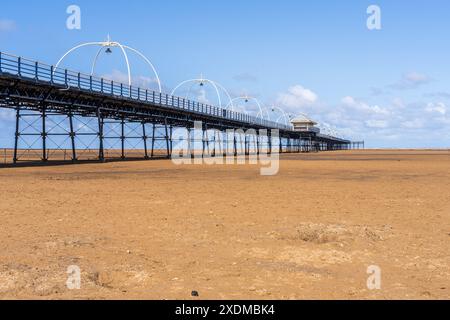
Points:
(76, 121)
(41, 134)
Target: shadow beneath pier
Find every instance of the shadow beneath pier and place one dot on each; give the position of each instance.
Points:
(50, 163)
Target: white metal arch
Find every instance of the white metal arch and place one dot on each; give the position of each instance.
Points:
(247, 99)
(283, 115)
(241, 110)
(262, 112)
(94, 63)
(136, 52)
(287, 122)
(75, 48)
(102, 44)
(230, 103)
(127, 61)
(149, 63)
(201, 81)
(123, 48)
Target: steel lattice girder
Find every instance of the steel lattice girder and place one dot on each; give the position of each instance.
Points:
(31, 95)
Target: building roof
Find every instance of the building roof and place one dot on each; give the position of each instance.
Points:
(302, 119)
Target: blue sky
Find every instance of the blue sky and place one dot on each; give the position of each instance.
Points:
(390, 87)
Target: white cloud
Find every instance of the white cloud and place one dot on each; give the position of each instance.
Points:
(379, 124)
(411, 80)
(202, 97)
(363, 107)
(398, 124)
(7, 114)
(245, 77)
(413, 124)
(440, 94)
(7, 25)
(445, 121)
(381, 121)
(376, 91)
(297, 97)
(138, 81)
(414, 77)
(398, 102)
(438, 107)
(349, 101)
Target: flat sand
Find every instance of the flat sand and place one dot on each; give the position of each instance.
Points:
(154, 230)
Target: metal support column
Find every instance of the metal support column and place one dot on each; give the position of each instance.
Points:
(206, 139)
(144, 137)
(167, 138)
(171, 139)
(246, 151)
(203, 140)
(281, 144)
(213, 154)
(257, 143)
(122, 137)
(72, 137)
(44, 134)
(101, 151)
(16, 138)
(189, 142)
(153, 140)
(234, 144)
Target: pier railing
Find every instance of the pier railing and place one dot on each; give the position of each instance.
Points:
(68, 79)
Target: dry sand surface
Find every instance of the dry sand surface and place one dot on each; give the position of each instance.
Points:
(153, 230)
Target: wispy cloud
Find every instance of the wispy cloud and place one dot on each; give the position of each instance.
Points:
(138, 81)
(7, 25)
(379, 124)
(245, 77)
(375, 91)
(363, 107)
(7, 114)
(411, 80)
(441, 94)
(439, 108)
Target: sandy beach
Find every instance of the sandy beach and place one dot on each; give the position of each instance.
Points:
(153, 230)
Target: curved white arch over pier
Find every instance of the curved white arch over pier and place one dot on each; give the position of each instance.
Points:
(247, 99)
(283, 115)
(123, 48)
(201, 81)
